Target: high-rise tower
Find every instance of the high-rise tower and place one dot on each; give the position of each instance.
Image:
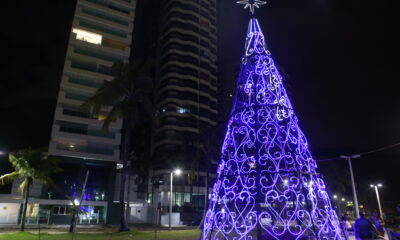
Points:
(187, 78)
(186, 97)
(101, 34)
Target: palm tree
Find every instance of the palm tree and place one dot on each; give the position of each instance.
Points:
(128, 95)
(211, 149)
(208, 149)
(30, 165)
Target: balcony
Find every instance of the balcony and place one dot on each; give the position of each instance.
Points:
(85, 118)
(86, 135)
(81, 151)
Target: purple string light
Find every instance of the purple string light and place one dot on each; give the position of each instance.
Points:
(267, 186)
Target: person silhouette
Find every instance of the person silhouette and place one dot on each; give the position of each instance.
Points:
(363, 228)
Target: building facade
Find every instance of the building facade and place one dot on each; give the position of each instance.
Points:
(101, 34)
(187, 79)
(186, 98)
(184, 41)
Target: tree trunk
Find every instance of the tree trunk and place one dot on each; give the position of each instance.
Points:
(127, 210)
(76, 209)
(191, 188)
(206, 188)
(206, 185)
(25, 205)
(126, 154)
(73, 221)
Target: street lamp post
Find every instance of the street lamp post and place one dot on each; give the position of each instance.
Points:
(353, 184)
(177, 172)
(335, 200)
(378, 198)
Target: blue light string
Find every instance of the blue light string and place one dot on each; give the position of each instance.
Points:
(267, 186)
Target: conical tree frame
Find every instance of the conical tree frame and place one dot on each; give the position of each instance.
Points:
(267, 186)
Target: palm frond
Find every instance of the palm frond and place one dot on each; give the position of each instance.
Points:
(48, 166)
(9, 177)
(45, 180)
(24, 184)
(108, 94)
(147, 107)
(117, 111)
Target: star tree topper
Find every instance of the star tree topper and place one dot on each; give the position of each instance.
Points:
(252, 3)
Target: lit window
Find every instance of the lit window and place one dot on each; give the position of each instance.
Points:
(59, 210)
(87, 36)
(182, 110)
(101, 117)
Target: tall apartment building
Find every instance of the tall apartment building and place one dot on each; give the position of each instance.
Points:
(186, 93)
(187, 83)
(101, 34)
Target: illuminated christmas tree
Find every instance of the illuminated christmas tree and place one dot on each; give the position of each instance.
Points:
(267, 185)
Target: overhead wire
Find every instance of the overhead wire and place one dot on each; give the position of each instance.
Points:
(363, 153)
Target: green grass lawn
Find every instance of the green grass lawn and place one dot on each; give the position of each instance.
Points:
(132, 235)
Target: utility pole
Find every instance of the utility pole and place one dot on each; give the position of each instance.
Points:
(170, 202)
(176, 172)
(76, 210)
(353, 184)
(378, 198)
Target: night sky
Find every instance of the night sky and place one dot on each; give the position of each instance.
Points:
(336, 57)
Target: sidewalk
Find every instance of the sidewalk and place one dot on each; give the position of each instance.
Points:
(353, 238)
(54, 229)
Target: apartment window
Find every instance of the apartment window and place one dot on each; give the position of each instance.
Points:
(86, 149)
(114, 44)
(103, 29)
(60, 210)
(75, 96)
(182, 110)
(178, 199)
(70, 127)
(110, 5)
(75, 113)
(84, 82)
(105, 16)
(87, 36)
(187, 198)
(96, 54)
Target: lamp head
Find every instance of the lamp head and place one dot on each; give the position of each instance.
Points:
(178, 172)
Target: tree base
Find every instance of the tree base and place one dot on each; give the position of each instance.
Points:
(123, 229)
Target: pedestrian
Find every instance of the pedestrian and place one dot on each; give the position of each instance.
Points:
(378, 223)
(363, 228)
(396, 234)
(346, 226)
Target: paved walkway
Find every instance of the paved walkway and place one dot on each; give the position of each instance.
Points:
(353, 238)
